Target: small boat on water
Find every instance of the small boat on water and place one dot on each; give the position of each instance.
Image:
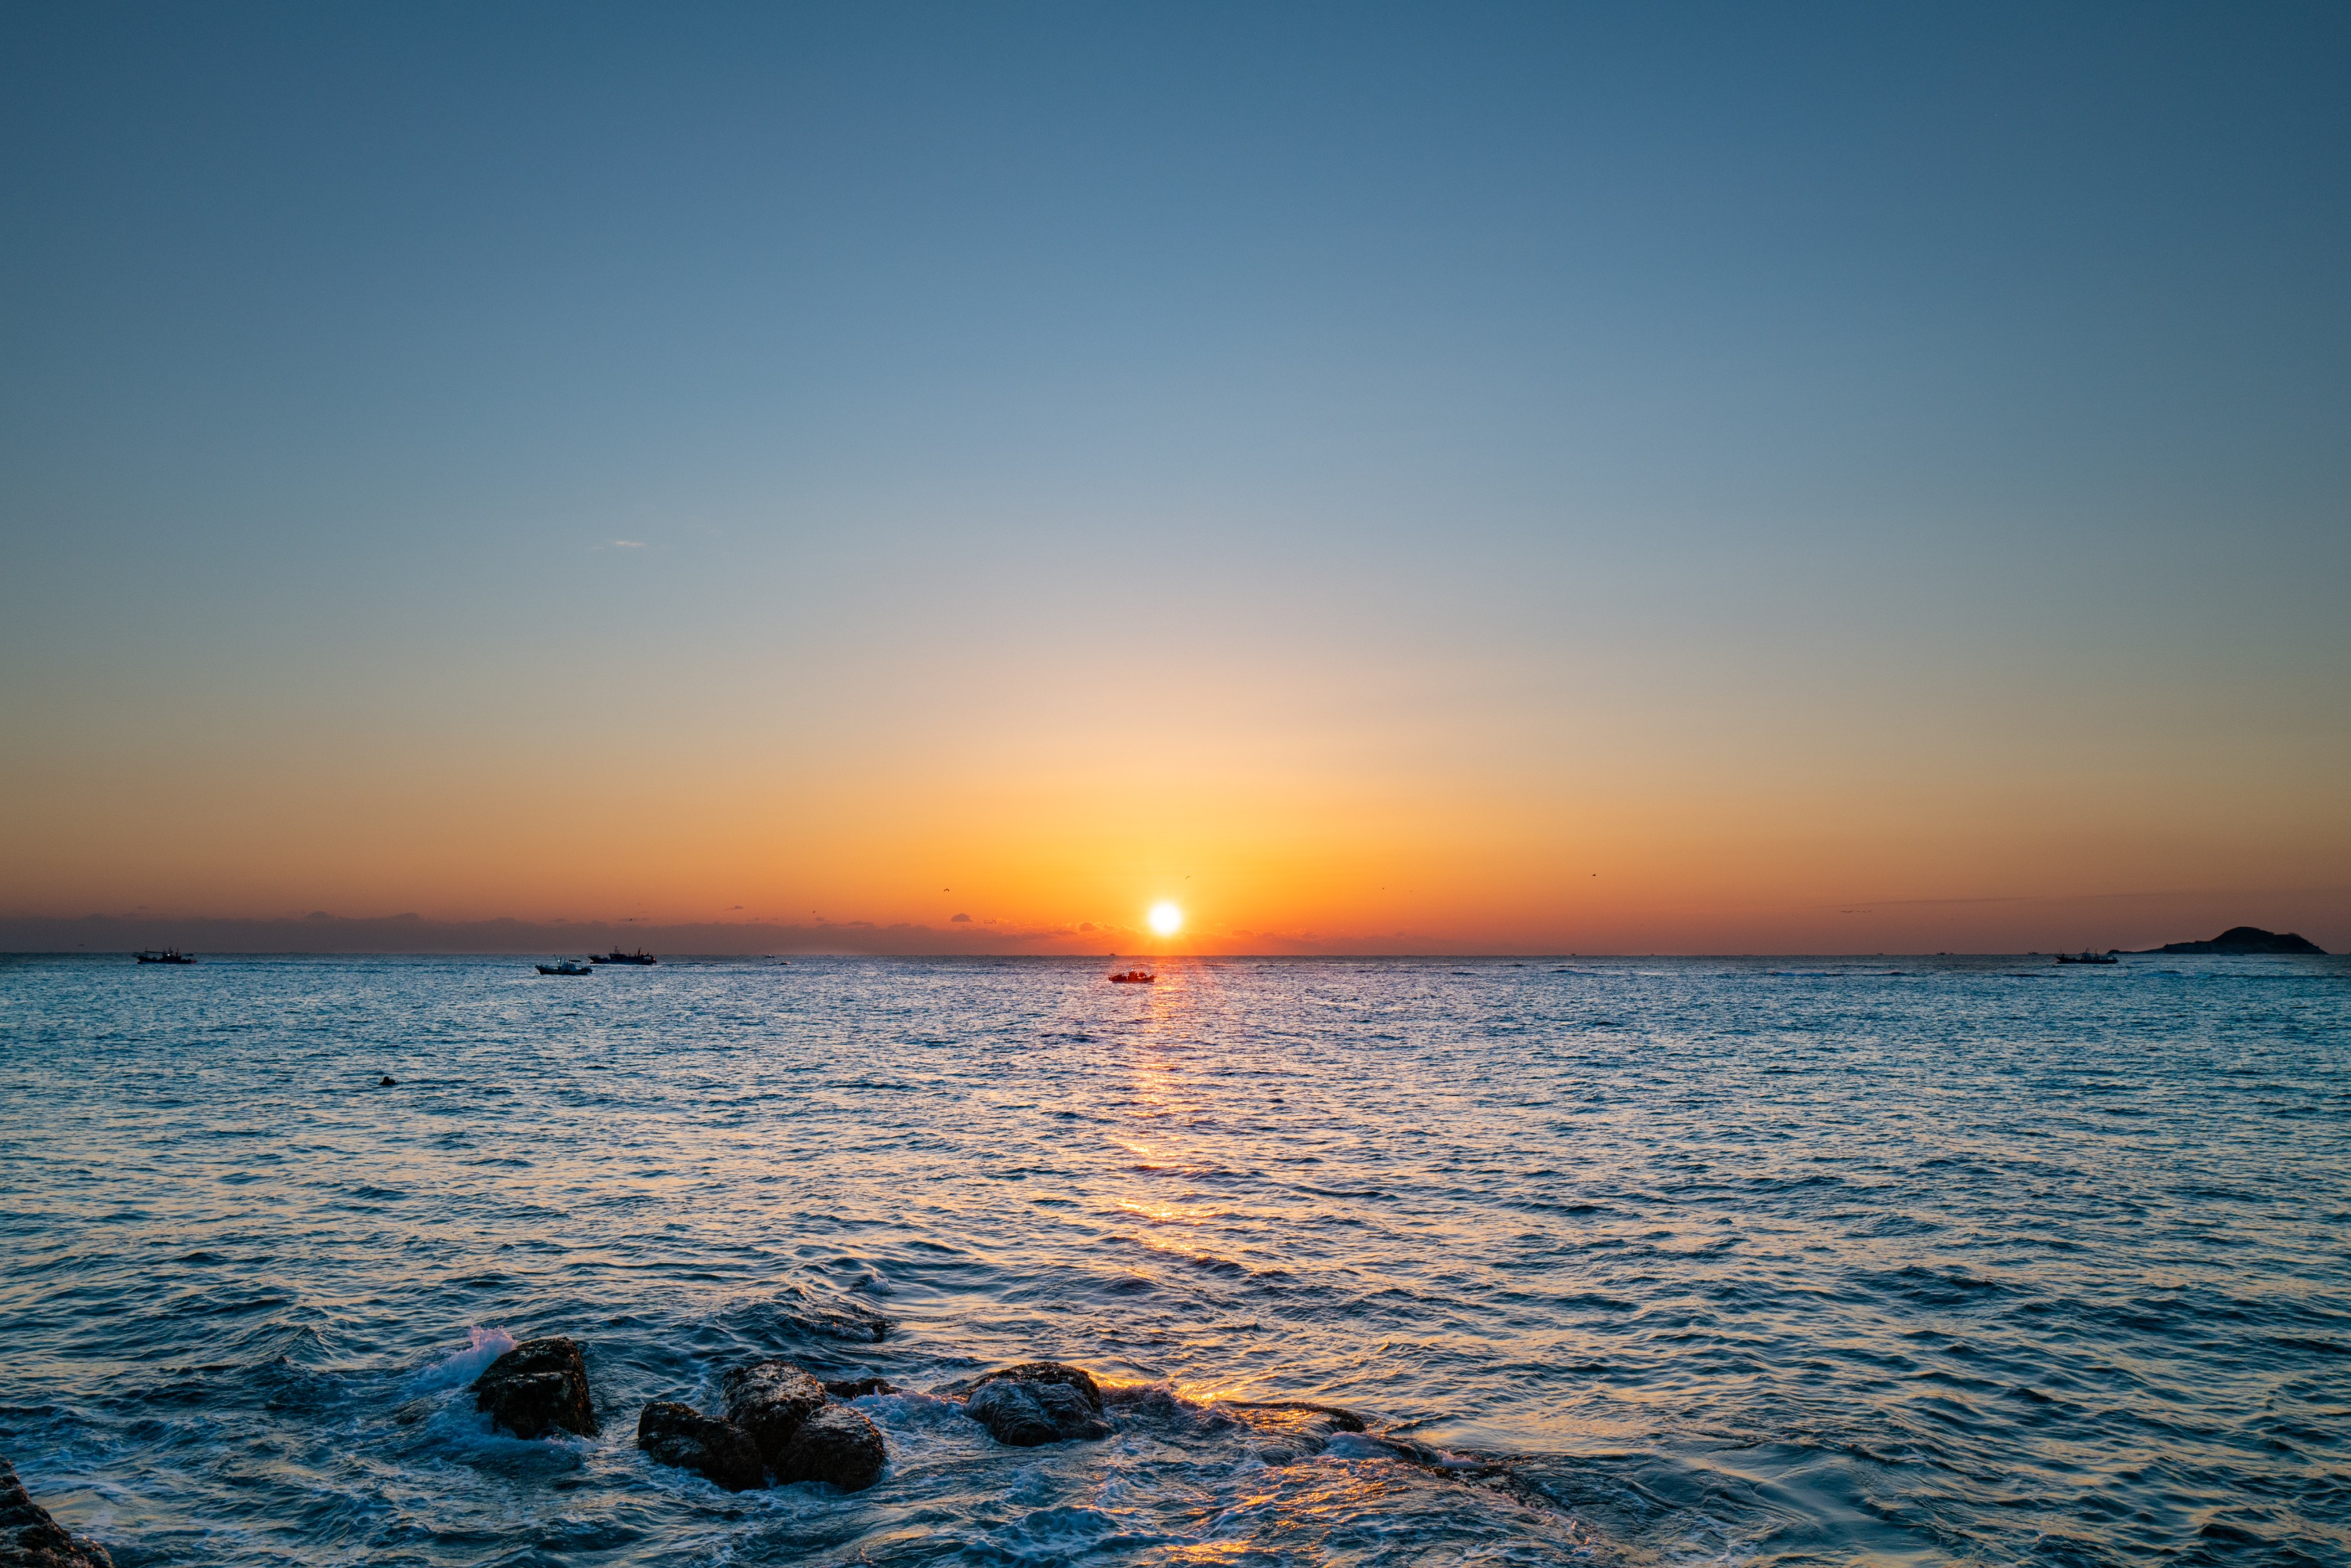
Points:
(617, 957)
(2085, 957)
(1132, 978)
(168, 955)
(565, 967)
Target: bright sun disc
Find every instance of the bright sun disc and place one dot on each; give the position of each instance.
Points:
(1165, 918)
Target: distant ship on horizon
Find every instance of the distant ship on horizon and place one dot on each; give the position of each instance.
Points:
(168, 955)
(617, 957)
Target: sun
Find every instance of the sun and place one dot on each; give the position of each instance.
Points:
(1167, 919)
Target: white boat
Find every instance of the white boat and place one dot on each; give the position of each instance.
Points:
(565, 967)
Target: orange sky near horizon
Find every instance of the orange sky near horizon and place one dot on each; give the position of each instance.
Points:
(1532, 479)
(1324, 823)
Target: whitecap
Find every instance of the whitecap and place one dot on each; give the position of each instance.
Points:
(487, 1346)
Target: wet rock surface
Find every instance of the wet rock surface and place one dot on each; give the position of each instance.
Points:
(29, 1538)
(537, 1388)
(857, 1387)
(778, 1421)
(1076, 1377)
(770, 1400)
(1036, 1402)
(835, 1444)
(718, 1450)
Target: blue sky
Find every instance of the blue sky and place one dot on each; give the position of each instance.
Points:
(1837, 383)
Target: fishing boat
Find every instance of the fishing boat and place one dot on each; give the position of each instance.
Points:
(565, 967)
(168, 955)
(1132, 978)
(2085, 957)
(617, 957)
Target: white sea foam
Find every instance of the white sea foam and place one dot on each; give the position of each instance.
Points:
(487, 1346)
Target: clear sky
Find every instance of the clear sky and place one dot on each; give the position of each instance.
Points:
(1779, 478)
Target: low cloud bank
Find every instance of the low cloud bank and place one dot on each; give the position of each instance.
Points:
(2015, 924)
(414, 934)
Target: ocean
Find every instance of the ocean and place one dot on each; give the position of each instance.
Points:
(1884, 1261)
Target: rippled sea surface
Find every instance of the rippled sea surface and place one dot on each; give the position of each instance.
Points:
(1891, 1262)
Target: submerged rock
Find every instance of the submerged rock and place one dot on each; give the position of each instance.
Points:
(770, 1400)
(835, 1444)
(1288, 1430)
(783, 1415)
(538, 1387)
(799, 1311)
(29, 1538)
(1332, 1416)
(1036, 1402)
(722, 1451)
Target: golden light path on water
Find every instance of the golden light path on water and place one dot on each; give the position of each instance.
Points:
(1632, 1261)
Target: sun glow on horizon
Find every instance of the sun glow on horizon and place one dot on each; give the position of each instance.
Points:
(1167, 919)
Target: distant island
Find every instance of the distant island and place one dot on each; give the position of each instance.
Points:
(2245, 939)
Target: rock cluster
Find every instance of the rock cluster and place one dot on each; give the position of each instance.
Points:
(779, 1421)
(771, 1399)
(1036, 1402)
(538, 1387)
(679, 1434)
(858, 1387)
(29, 1538)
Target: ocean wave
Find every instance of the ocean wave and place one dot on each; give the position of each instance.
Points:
(1674, 1264)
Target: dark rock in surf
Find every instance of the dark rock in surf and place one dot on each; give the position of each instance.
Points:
(857, 1387)
(387, 1083)
(1076, 1377)
(29, 1538)
(722, 1452)
(800, 1436)
(835, 1444)
(771, 1399)
(1036, 1402)
(539, 1387)
(1025, 1414)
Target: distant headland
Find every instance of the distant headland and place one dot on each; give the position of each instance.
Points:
(2245, 939)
